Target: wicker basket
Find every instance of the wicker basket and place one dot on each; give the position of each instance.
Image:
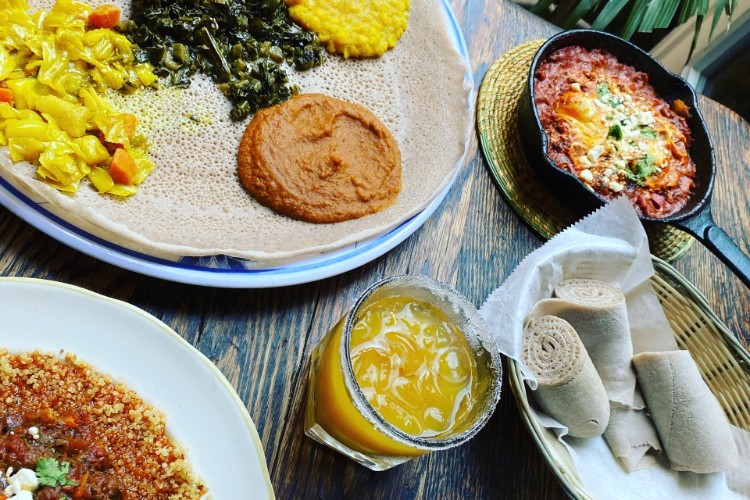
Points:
(721, 358)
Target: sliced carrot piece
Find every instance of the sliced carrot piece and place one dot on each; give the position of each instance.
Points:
(105, 16)
(122, 169)
(6, 95)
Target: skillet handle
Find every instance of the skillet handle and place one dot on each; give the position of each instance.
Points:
(703, 227)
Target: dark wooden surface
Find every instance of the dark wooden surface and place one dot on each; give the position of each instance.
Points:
(261, 340)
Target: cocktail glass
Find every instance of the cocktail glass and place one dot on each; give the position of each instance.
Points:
(339, 415)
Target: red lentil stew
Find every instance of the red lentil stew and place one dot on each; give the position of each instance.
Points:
(607, 126)
(84, 435)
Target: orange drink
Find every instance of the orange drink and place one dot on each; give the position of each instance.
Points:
(410, 369)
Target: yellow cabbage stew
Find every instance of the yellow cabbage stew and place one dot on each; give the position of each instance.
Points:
(54, 68)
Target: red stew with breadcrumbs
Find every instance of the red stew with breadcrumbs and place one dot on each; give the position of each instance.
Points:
(607, 126)
(79, 435)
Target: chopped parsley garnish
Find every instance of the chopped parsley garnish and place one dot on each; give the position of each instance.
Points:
(51, 473)
(647, 133)
(644, 167)
(605, 95)
(603, 90)
(615, 132)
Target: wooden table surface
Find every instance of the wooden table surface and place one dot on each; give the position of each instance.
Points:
(261, 339)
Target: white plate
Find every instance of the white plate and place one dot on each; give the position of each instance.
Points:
(226, 271)
(204, 414)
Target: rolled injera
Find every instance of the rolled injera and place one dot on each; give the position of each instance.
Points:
(692, 427)
(569, 389)
(598, 313)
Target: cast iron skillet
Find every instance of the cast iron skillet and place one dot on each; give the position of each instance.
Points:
(695, 218)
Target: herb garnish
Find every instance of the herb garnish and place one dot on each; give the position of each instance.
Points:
(602, 90)
(647, 133)
(51, 473)
(239, 43)
(615, 131)
(605, 95)
(644, 167)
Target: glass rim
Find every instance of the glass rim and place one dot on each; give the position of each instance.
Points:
(482, 331)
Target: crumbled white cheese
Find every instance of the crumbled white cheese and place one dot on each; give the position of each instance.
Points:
(23, 480)
(644, 117)
(626, 131)
(586, 175)
(575, 86)
(23, 495)
(595, 153)
(34, 432)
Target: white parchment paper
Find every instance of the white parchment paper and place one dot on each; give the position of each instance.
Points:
(609, 245)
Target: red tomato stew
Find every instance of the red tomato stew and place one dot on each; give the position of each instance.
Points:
(607, 126)
(70, 432)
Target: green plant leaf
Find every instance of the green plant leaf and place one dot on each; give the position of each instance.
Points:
(659, 14)
(634, 18)
(696, 33)
(691, 8)
(583, 8)
(541, 7)
(720, 6)
(643, 15)
(687, 10)
(730, 8)
(608, 13)
(703, 8)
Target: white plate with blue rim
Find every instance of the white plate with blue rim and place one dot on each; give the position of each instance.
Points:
(222, 270)
(133, 347)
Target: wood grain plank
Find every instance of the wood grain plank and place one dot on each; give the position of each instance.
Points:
(730, 206)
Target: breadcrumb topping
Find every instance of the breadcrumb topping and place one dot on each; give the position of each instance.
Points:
(132, 433)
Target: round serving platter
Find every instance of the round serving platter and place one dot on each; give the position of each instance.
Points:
(226, 271)
(135, 348)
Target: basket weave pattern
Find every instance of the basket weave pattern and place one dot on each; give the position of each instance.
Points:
(722, 360)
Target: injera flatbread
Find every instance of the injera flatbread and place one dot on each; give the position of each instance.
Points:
(691, 424)
(192, 203)
(599, 315)
(569, 389)
(597, 312)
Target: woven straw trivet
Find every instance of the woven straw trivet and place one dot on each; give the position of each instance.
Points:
(497, 109)
(723, 361)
